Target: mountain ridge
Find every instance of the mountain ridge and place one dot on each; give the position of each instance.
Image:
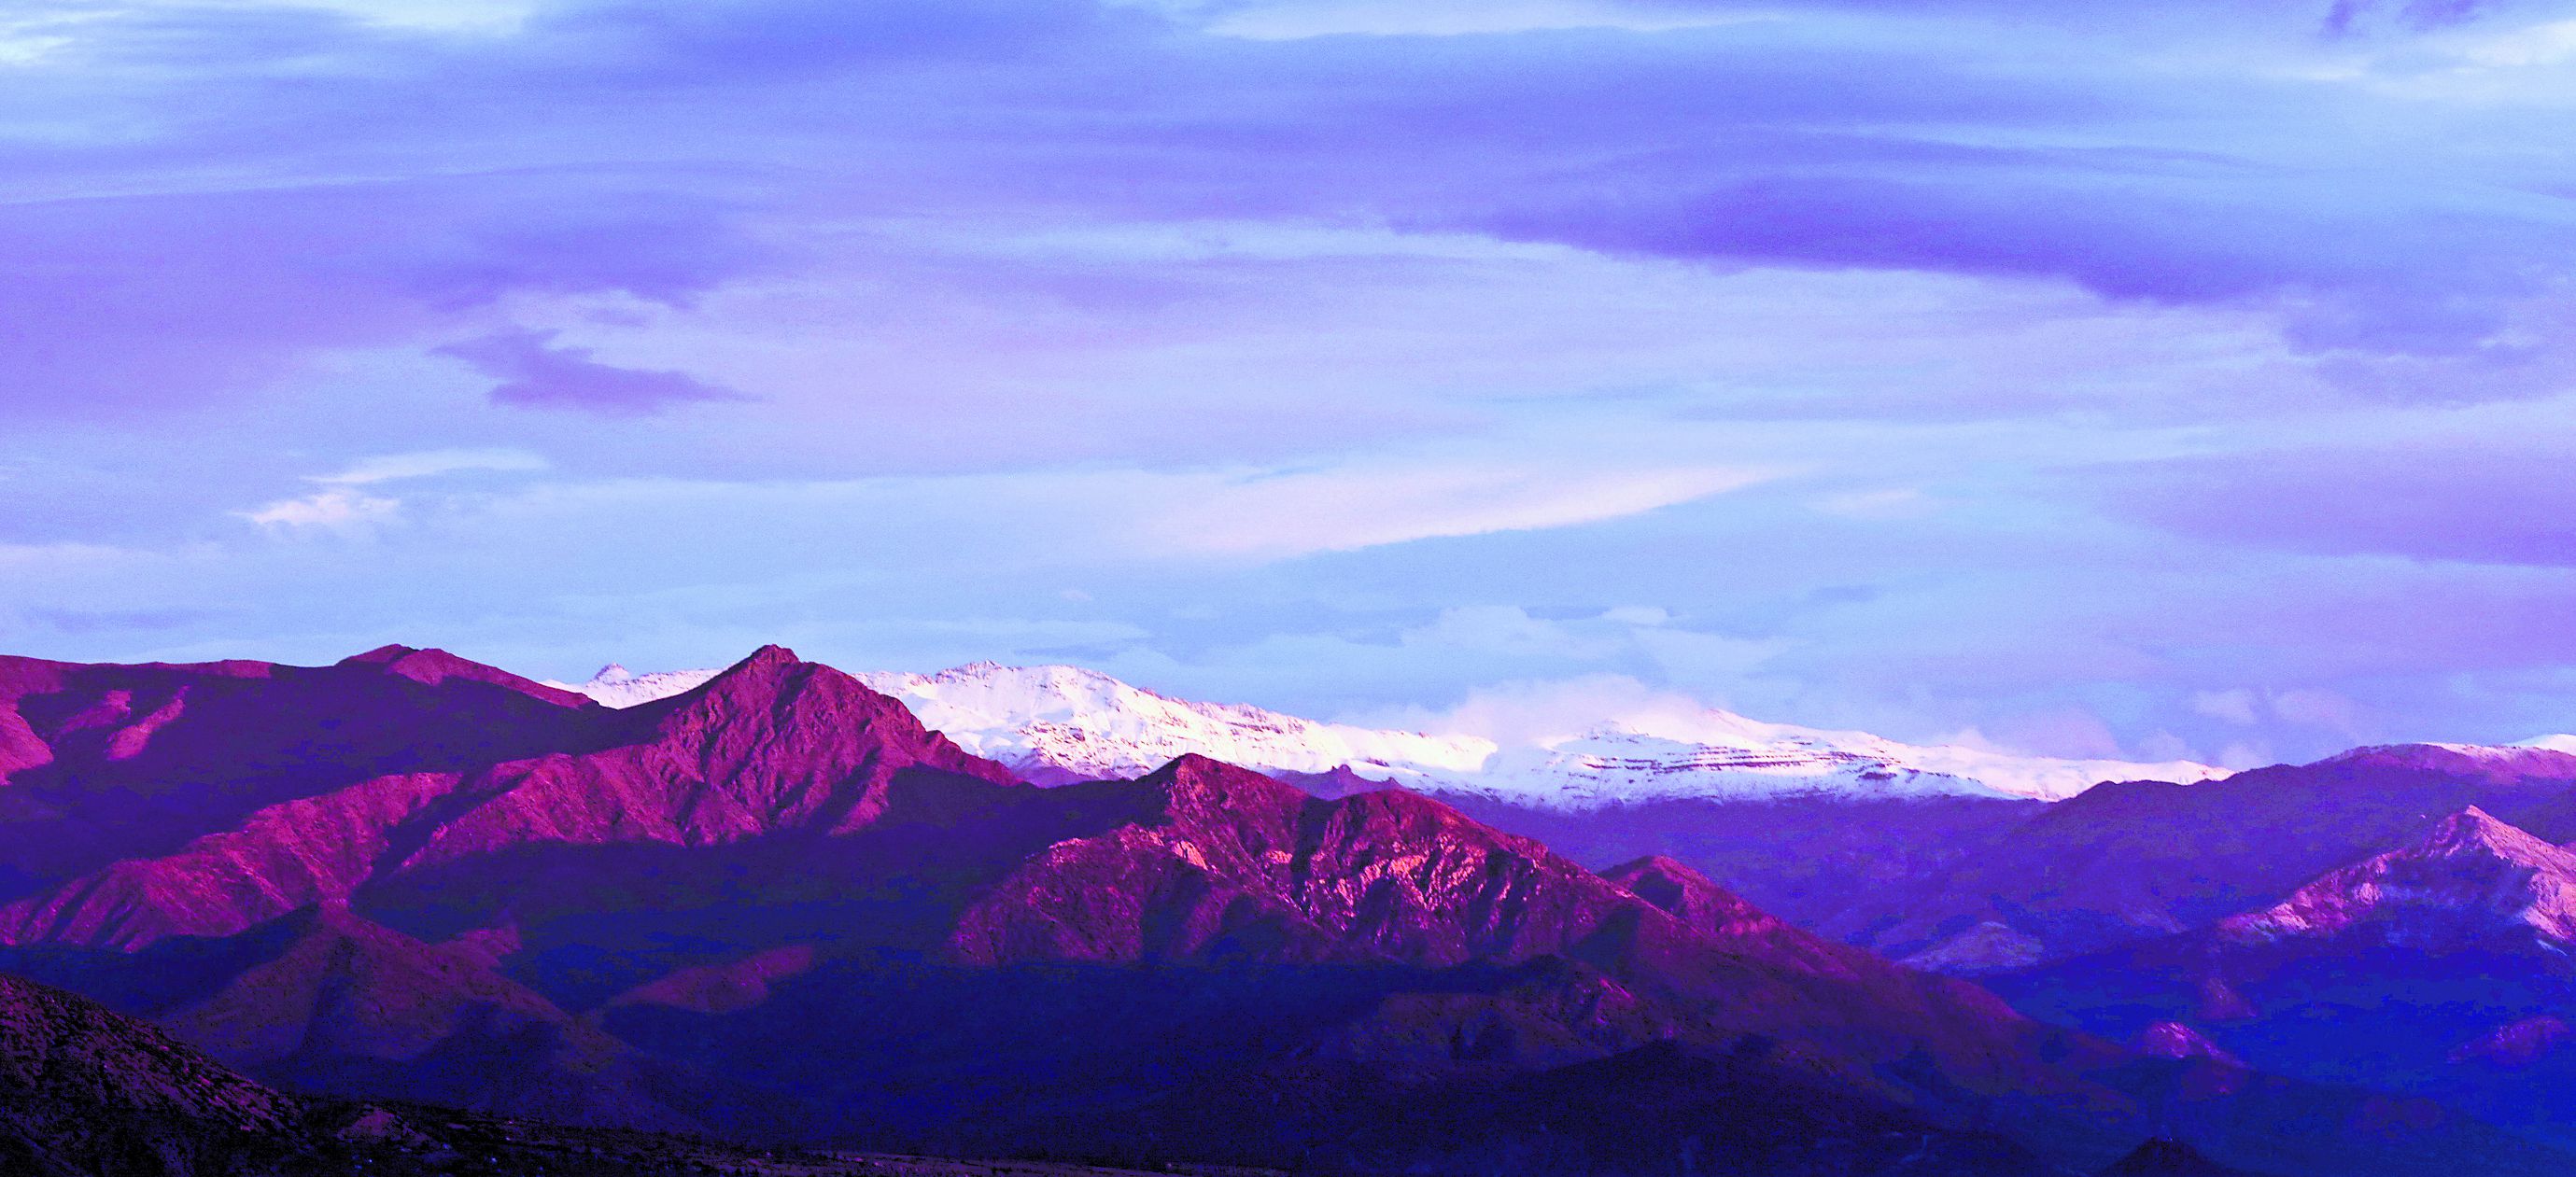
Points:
(1057, 724)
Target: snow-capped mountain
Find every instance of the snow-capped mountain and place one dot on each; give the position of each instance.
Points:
(1055, 724)
(1063, 723)
(616, 686)
(1719, 754)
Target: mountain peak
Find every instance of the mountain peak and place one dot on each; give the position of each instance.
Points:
(1688, 895)
(2470, 878)
(758, 680)
(769, 655)
(2166, 1157)
(2475, 831)
(432, 666)
(389, 652)
(1195, 782)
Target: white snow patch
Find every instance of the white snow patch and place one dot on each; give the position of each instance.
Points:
(616, 686)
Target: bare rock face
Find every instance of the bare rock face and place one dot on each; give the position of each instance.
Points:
(1230, 861)
(1226, 865)
(2470, 880)
(104, 763)
(298, 986)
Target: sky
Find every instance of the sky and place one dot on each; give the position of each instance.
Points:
(2179, 378)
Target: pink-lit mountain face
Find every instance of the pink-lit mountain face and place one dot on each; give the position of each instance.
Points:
(776, 906)
(773, 745)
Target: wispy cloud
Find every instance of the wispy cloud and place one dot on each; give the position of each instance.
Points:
(425, 463)
(1360, 506)
(344, 504)
(337, 509)
(536, 372)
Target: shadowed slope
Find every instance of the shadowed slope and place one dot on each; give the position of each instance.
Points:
(83, 1090)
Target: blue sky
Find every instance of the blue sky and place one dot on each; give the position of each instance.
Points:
(2176, 379)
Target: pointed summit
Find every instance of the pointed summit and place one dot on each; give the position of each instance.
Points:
(1191, 779)
(1689, 896)
(773, 743)
(2475, 832)
(389, 652)
(2471, 878)
(766, 665)
(2164, 1157)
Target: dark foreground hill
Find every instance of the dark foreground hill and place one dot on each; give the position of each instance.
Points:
(86, 1092)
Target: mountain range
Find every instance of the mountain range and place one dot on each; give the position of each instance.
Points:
(778, 907)
(1056, 724)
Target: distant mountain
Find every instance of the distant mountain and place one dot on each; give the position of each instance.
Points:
(2441, 967)
(616, 686)
(2132, 860)
(2473, 881)
(1057, 724)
